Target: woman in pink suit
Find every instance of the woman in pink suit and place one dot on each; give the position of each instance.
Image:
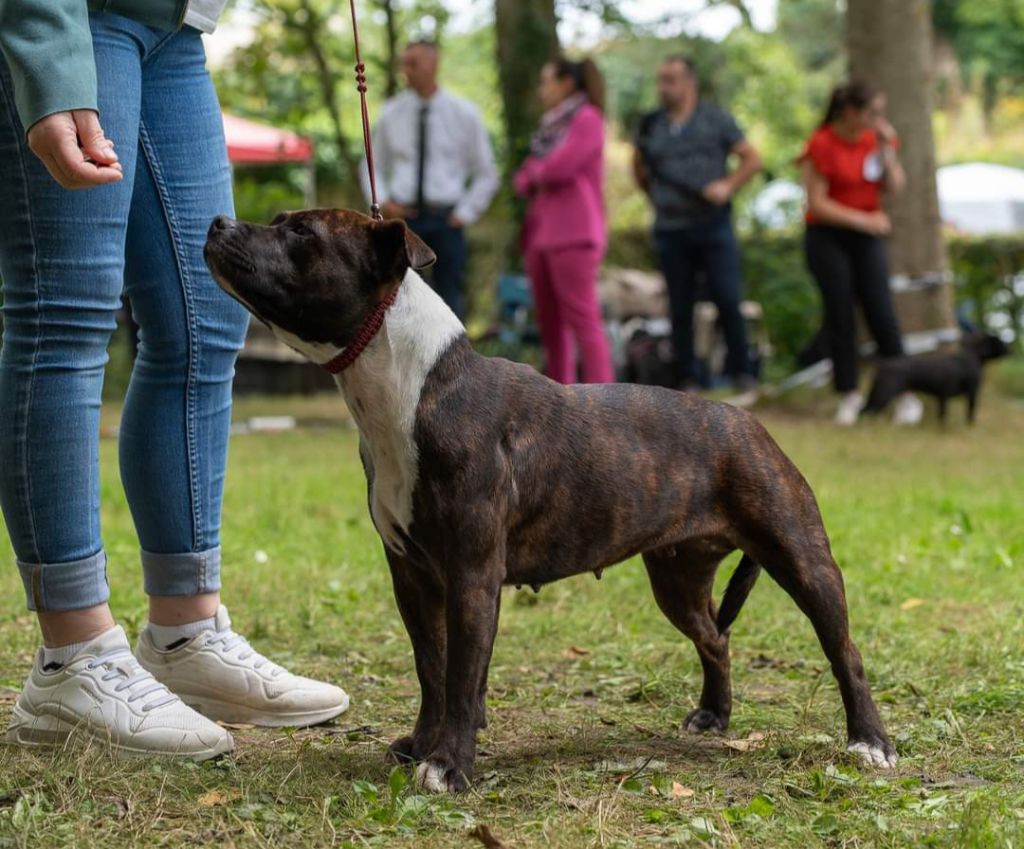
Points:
(565, 233)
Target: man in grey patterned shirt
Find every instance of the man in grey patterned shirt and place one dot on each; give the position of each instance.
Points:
(682, 163)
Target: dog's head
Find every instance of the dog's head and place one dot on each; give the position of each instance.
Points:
(314, 276)
(986, 346)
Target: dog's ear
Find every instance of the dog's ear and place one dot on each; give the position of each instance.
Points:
(399, 249)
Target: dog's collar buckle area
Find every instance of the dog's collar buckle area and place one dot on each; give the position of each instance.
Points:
(364, 336)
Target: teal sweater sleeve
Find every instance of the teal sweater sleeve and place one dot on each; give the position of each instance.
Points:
(48, 48)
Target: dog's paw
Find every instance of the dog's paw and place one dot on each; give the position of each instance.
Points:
(405, 750)
(879, 752)
(702, 721)
(435, 777)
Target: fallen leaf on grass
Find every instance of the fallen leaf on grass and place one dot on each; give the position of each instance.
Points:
(212, 799)
(681, 792)
(754, 740)
(487, 838)
(911, 603)
(574, 652)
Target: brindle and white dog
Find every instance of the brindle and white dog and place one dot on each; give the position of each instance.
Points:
(484, 473)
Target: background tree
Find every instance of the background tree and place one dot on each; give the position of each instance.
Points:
(526, 39)
(890, 44)
(988, 38)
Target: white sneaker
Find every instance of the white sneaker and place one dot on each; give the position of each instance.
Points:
(104, 694)
(849, 409)
(909, 410)
(224, 678)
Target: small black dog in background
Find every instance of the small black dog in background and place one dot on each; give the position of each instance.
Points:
(943, 376)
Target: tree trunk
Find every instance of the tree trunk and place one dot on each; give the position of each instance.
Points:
(890, 45)
(527, 39)
(390, 62)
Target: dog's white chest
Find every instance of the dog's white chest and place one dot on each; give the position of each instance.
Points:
(383, 390)
(391, 468)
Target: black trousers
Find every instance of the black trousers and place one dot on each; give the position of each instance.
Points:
(449, 243)
(710, 247)
(850, 268)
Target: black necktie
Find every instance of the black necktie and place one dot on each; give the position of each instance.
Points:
(421, 170)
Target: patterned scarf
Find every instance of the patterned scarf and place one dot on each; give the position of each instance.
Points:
(554, 123)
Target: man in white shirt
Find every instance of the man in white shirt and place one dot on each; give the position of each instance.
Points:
(435, 167)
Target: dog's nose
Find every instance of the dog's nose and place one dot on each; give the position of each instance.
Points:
(222, 222)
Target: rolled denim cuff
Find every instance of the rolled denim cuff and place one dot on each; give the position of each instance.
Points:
(75, 585)
(190, 573)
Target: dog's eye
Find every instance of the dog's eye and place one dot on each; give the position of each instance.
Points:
(301, 230)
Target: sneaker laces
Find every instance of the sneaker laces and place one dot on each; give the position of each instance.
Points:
(121, 663)
(228, 641)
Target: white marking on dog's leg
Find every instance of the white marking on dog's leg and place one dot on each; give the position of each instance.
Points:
(873, 755)
(430, 777)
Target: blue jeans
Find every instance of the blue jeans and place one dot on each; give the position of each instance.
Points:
(447, 275)
(65, 257)
(710, 247)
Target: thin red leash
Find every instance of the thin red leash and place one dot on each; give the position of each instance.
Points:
(367, 135)
(375, 320)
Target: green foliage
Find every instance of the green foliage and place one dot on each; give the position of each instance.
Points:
(262, 193)
(760, 79)
(988, 36)
(814, 30)
(990, 282)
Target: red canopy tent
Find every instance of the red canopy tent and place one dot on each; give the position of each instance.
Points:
(250, 143)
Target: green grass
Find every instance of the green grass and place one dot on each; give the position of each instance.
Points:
(589, 682)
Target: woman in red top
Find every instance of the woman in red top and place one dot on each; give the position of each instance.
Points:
(848, 162)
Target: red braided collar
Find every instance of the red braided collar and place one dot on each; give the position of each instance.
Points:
(364, 336)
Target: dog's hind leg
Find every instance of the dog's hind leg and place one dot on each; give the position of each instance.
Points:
(420, 598)
(811, 577)
(683, 583)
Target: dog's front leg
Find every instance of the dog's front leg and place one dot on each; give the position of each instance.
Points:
(472, 602)
(420, 596)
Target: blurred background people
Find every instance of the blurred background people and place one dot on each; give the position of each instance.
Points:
(565, 231)
(435, 167)
(682, 163)
(848, 163)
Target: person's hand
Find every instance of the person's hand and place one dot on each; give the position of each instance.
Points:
(718, 192)
(885, 131)
(74, 149)
(876, 224)
(456, 222)
(390, 209)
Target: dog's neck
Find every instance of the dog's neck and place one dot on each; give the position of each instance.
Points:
(416, 331)
(382, 389)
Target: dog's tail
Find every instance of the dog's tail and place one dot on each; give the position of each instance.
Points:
(740, 585)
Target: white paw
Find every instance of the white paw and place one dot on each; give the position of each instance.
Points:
(430, 778)
(873, 755)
